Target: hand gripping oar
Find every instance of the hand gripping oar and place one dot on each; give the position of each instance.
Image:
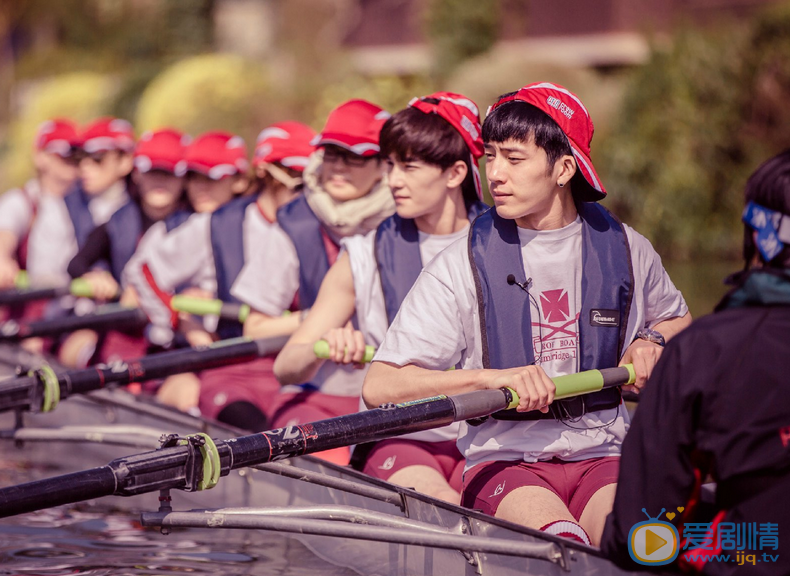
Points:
(42, 390)
(198, 462)
(108, 317)
(24, 293)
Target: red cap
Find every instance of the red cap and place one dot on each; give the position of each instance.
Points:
(287, 143)
(160, 150)
(107, 134)
(57, 136)
(216, 155)
(572, 117)
(354, 126)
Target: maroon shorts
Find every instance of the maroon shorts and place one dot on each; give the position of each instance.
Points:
(311, 406)
(487, 484)
(253, 382)
(389, 456)
(117, 346)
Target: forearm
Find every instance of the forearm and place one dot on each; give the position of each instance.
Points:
(673, 326)
(260, 325)
(8, 244)
(296, 364)
(387, 382)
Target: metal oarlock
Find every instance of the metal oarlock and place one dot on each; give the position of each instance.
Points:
(203, 467)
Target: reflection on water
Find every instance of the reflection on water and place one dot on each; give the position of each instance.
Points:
(87, 540)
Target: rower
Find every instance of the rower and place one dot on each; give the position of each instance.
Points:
(214, 167)
(345, 193)
(548, 266)
(431, 150)
(158, 196)
(717, 405)
(208, 251)
(35, 232)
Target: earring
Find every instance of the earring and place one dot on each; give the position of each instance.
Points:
(561, 184)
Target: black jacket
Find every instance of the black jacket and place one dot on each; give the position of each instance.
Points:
(718, 402)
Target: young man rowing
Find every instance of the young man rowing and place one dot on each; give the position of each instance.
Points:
(431, 150)
(551, 267)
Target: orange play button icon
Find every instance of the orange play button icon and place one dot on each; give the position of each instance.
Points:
(653, 542)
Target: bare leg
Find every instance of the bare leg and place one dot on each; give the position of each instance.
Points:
(180, 391)
(533, 507)
(426, 480)
(78, 348)
(594, 515)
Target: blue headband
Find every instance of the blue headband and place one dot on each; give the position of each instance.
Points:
(773, 229)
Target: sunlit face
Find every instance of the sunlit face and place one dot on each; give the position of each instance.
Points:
(520, 180)
(347, 176)
(100, 170)
(159, 189)
(205, 194)
(418, 188)
(63, 171)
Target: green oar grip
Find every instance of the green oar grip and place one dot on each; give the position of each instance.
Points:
(81, 288)
(321, 350)
(587, 382)
(202, 307)
(22, 281)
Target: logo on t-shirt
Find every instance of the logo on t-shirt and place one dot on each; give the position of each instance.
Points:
(599, 317)
(555, 305)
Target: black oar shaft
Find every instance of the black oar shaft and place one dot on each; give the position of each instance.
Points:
(12, 297)
(25, 393)
(110, 319)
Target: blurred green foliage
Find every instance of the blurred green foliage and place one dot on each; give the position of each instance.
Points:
(459, 30)
(208, 92)
(81, 96)
(695, 121)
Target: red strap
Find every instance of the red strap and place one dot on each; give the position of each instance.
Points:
(161, 294)
(332, 249)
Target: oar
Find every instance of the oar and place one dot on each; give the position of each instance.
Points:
(198, 462)
(201, 307)
(24, 293)
(108, 317)
(42, 390)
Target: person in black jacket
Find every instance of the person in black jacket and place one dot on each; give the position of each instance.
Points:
(717, 404)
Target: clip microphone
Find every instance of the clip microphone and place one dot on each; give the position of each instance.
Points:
(511, 279)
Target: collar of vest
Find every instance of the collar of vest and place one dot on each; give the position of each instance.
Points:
(397, 252)
(307, 234)
(124, 229)
(505, 309)
(77, 205)
(758, 287)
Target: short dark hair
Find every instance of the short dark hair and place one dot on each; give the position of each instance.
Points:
(769, 186)
(523, 122)
(411, 134)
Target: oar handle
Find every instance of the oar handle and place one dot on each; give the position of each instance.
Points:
(321, 350)
(587, 382)
(78, 287)
(203, 307)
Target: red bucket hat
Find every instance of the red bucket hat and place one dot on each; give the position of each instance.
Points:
(107, 134)
(463, 115)
(57, 136)
(572, 117)
(355, 126)
(160, 150)
(287, 143)
(216, 155)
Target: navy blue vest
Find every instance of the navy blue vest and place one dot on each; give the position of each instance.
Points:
(505, 316)
(227, 244)
(397, 251)
(305, 231)
(125, 228)
(77, 206)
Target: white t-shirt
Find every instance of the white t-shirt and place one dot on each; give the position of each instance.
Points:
(438, 326)
(371, 310)
(184, 257)
(51, 242)
(268, 283)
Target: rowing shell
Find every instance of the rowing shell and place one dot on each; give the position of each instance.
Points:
(343, 516)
